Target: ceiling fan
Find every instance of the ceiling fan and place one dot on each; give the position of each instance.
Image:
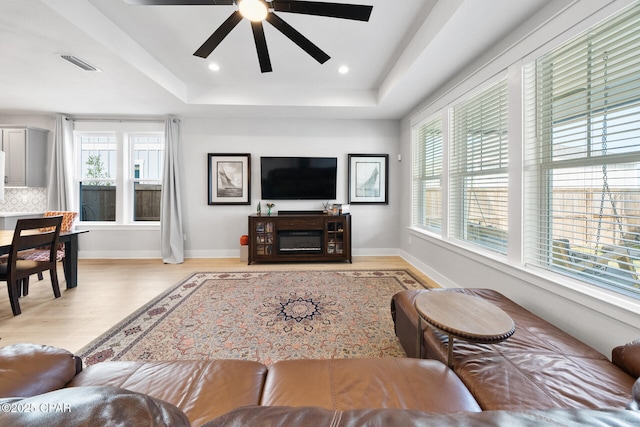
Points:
(258, 11)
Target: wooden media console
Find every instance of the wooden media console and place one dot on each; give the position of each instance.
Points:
(299, 236)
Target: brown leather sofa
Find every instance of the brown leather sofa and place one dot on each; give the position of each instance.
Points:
(204, 390)
(41, 385)
(313, 416)
(539, 367)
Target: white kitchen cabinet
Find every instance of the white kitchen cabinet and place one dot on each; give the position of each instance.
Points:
(26, 156)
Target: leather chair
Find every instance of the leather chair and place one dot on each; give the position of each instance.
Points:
(29, 234)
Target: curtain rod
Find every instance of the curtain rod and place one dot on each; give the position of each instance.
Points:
(119, 120)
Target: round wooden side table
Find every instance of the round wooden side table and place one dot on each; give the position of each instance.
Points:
(462, 316)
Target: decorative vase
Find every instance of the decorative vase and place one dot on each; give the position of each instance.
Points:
(268, 211)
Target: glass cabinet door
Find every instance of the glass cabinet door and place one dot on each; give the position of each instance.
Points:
(335, 237)
(264, 238)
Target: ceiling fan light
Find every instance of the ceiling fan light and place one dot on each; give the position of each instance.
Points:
(253, 10)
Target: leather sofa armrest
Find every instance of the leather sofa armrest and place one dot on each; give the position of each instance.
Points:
(29, 369)
(90, 406)
(627, 358)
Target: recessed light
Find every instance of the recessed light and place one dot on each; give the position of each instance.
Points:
(343, 70)
(214, 67)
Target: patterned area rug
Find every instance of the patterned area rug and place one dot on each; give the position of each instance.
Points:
(262, 316)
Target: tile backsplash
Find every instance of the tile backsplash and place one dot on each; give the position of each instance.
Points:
(24, 199)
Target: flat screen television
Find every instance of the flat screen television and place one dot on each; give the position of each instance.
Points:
(298, 178)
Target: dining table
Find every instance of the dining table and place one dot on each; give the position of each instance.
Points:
(70, 260)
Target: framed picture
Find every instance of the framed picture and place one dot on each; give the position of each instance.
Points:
(229, 179)
(368, 178)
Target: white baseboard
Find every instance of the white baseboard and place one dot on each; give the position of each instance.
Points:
(425, 269)
(220, 253)
(119, 254)
(375, 252)
(232, 253)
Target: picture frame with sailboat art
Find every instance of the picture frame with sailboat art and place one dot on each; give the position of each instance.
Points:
(229, 179)
(368, 178)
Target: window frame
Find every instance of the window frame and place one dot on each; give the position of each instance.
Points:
(558, 119)
(77, 136)
(123, 130)
(430, 164)
(491, 166)
(132, 180)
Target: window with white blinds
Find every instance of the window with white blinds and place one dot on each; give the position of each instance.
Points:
(427, 175)
(582, 156)
(478, 170)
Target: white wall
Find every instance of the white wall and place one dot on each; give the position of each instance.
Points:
(599, 318)
(214, 231)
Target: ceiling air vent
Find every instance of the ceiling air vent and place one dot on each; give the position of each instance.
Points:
(79, 63)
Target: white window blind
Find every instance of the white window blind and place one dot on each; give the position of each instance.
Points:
(427, 175)
(582, 156)
(479, 177)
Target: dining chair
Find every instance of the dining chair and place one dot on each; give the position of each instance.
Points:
(28, 234)
(42, 254)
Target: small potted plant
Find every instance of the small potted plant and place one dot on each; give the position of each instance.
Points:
(269, 207)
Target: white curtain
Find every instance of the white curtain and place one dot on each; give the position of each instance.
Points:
(171, 207)
(59, 189)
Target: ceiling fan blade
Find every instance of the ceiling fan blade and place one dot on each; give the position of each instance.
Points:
(261, 47)
(298, 38)
(334, 10)
(218, 35)
(180, 2)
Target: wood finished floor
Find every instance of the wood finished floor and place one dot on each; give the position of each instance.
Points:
(110, 290)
